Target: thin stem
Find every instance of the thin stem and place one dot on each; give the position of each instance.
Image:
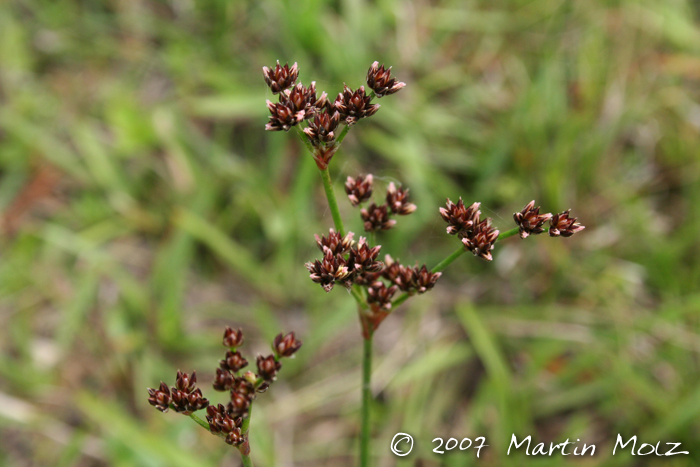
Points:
(438, 268)
(511, 232)
(357, 295)
(247, 461)
(366, 399)
(199, 421)
(447, 261)
(342, 135)
(205, 425)
(332, 202)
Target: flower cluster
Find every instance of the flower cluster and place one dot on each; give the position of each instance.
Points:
(374, 217)
(227, 420)
(298, 104)
(562, 225)
(184, 397)
(350, 264)
(344, 262)
(530, 221)
(477, 236)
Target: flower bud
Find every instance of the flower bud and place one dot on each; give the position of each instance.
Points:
(285, 346)
(233, 338)
(268, 367)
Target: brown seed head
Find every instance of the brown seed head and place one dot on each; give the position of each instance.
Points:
(233, 338)
(239, 405)
(332, 269)
(391, 269)
(366, 278)
(220, 421)
(280, 77)
(185, 382)
(243, 385)
(376, 218)
(300, 100)
(160, 398)
(322, 127)
(282, 117)
(562, 225)
(286, 346)
(397, 200)
(364, 258)
(398, 274)
(187, 402)
(354, 105)
(379, 295)
(481, 239)
(235, 438)
(423, 280)
(268, 367)
(359, 189)
(233, 361)
(223, 381)
(381, 82)
(336, 243)
(461, 219)
(530, 221)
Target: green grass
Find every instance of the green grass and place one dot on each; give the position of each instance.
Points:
(144, 207)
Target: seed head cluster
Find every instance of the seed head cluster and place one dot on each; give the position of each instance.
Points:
(359, 189)
(343, 265)
(377, 217)
(356, 264)
(184, 397)
(226, 421)
(479, 236)
(298, 104)
(530, 221)
(476, 235)
(563, 225)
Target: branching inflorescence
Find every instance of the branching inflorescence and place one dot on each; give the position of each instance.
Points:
(322, 125)
(230, 422)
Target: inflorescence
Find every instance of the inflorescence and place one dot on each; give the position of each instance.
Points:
(355, 265)
(297, 104)
(227, 421)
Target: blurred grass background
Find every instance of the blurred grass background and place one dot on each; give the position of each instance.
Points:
(144, 208)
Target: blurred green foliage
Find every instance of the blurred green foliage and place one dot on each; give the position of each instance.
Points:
(144, 208)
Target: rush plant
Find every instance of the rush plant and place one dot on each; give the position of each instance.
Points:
(323, 124)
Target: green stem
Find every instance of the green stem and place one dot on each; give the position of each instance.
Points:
(332, 202)
(342, 135)
(357, 295)
(447, 261)
(247, 461)
(205, 425)
(366, 399)
(510, 233)
(438, 268)
(199, 421)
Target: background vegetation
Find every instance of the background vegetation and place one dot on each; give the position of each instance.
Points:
(144, 207)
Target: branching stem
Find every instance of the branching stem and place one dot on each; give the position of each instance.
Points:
(447, 261)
